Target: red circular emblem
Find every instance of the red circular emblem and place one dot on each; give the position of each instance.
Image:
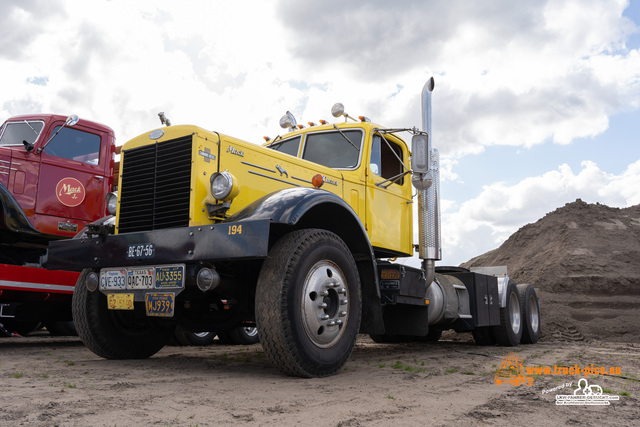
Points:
(70, 192)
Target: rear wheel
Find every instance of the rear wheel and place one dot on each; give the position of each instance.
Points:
(509, 332)
(308, 303)
(530, 314)
(183, 336)
(242, 335)
(115, 334)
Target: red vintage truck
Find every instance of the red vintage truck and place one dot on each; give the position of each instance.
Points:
(55, 174)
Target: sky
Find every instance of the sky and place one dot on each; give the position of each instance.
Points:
(536, 103)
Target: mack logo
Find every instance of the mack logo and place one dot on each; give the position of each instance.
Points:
(329, 181)
(70, 192)
(233, 150)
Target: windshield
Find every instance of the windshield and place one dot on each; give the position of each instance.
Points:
(334, 149)
(288, 146)
(13, 133)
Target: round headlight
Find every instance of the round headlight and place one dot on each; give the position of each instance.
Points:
(112, 202)
(223, 186)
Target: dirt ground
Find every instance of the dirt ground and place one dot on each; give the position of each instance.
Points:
(584, 259)
(49, 381)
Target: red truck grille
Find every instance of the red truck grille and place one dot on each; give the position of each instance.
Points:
(155, 190)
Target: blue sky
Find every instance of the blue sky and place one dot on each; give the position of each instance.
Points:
(537, 103)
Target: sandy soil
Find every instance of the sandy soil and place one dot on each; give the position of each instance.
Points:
(49, 381)
(583, 257)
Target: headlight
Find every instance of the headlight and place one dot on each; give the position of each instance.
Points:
(112, 202)
(224, 186)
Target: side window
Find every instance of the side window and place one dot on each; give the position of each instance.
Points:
(385, 159)
(74, 144)
(16, 132)
(288, 146)
(334, 149)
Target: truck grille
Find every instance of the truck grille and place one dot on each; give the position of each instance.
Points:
(156, 183)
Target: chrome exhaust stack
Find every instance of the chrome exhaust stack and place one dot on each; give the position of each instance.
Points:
(426, 179)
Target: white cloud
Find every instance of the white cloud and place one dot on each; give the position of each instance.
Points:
(486, 221)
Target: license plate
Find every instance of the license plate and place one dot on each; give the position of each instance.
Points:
(141, 250)
(133, 278)
(169, 277)
(140, 278)
(113, 279)
(160, 305)
(120, 301)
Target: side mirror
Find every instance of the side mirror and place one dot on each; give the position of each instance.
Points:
(28, 146)
(72, 120)
(420, 153)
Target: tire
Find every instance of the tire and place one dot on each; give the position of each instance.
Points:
(530, 314)
(484, 335)
(509, 332)
(242, 335)
(115, 334)
(61, 328)
(186, 337)
(308, 303)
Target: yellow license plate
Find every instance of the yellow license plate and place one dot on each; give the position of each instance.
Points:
(120, 301)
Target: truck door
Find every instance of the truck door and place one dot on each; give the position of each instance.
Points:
(389, 211)
(73, 179)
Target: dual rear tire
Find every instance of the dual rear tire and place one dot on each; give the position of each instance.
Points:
(519, 319)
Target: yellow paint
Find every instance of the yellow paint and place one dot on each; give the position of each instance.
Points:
(385, 212)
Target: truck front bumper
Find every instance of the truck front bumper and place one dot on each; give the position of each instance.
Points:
(218, 242)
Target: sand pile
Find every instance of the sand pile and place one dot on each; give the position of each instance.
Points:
(586, 260)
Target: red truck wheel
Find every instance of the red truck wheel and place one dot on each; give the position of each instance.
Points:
(308, 303)
(115, 334)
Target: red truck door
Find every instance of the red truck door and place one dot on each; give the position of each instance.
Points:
(74, 178)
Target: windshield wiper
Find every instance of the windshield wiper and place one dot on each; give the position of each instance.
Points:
(29, 124)
(347, 138)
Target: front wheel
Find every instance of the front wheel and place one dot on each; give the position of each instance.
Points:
(308, 303)
(115, 334)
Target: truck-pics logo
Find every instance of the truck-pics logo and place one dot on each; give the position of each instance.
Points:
(511, 371)
(70, 192)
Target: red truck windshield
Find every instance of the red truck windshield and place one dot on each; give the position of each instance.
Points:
(13, 133)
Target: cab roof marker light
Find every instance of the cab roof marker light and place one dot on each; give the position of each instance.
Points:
(266, 138)
(311, 124)
(323, 122)
(364, 119)
(300, 126)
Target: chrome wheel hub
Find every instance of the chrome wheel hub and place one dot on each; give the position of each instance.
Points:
(325, 304)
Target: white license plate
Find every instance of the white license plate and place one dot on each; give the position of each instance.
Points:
(141, 278)
(113, 279)
(158, 277)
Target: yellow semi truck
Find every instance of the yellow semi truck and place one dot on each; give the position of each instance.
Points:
(297, 237)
